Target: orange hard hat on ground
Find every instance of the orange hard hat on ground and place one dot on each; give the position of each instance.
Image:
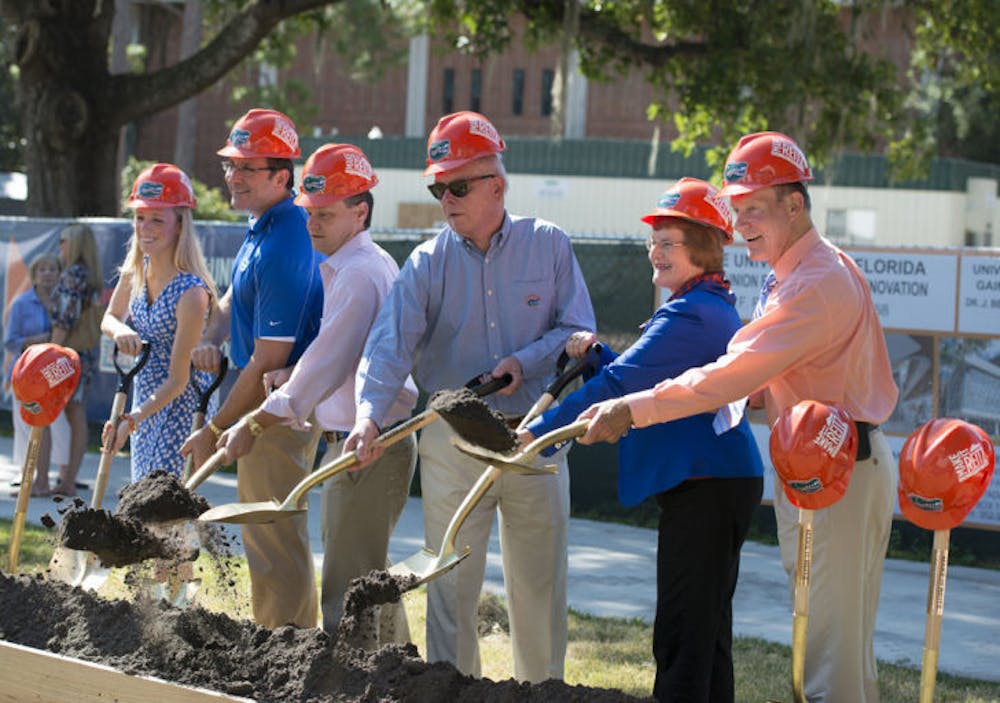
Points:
(695, 200)
(261, 133)
(459, 138)
(43, 380)
(335, 172)
(763, 160)
(162, 185)
(813, 447)
(944, 469)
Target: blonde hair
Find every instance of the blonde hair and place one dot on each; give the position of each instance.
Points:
(81, 247)
(47, 258)
(187, 257)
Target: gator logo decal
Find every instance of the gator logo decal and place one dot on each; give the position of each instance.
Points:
(439, 150)
(239, 137)
(668, 200)
(931, 505)
(813, 485)
(735, 171)
(314, 184)
(150, 190)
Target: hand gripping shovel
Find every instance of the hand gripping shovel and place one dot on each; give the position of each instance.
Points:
(43, 380)
(425, 564)
(294, 503)
(76, 567)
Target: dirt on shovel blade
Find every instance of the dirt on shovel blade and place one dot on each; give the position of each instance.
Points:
(199, 648)
(473, 420)
(115, 541)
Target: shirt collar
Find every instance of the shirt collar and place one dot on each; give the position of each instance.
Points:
(497, 239)
(342, 255)
(261, 224)
(791, 258)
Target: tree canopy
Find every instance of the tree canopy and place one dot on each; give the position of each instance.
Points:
(721, 68)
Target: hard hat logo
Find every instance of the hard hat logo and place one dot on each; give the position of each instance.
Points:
(668, 199)
(719, 205)
(239, 137)
(57, 372)
(32, 407)
(357, 165)
(790, 152)
(813, 485)
(832, 436)
(149, 189)
(930, 505)
(439, 150)
(313, 184)
(735, 171)
(286, 133)
(969, 462)
(484, 129)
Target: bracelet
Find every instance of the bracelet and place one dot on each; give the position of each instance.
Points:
(256, 429)
(215, 428)
(127, 417)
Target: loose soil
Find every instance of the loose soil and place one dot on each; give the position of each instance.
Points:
(210, 650)
(473, 420)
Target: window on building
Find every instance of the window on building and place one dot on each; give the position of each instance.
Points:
(548, 79)
(850, 225)
(448, 91)
(476, 90)
(517, 106)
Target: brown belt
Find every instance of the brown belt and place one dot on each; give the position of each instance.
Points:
(333, 436)
(864, 441)
(513, 422)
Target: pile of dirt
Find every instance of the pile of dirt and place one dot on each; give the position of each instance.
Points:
(473, 420)
(159, 497)
(210, 650)
(115, 541)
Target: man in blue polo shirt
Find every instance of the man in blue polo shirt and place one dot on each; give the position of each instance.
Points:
(270, 314)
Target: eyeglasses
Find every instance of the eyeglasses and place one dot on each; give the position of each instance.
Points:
(229, 168)
(662, 245)
(458, 188)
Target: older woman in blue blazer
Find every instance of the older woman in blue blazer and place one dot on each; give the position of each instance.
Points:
(707, 479)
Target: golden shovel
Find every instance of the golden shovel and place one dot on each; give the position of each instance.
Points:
(935, 610)
(425, 565)
(23, 494)
(295, 502)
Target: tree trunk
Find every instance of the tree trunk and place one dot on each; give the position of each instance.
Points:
(68, 124)
(187, 115)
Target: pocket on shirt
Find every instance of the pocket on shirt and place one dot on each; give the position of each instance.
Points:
(534, 294)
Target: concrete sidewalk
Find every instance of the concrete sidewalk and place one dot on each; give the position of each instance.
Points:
(612, 573)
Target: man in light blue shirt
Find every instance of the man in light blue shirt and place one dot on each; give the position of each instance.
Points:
(491, 293)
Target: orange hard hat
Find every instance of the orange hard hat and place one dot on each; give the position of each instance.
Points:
(813, 446)
(944, 469)
(43, 381)
(262, 133)
(459, 138)
(763, 160)
(162, 185)
(695, 200)
(335, 172)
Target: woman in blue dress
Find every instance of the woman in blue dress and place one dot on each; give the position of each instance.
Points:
(707, 480)
(165, 291)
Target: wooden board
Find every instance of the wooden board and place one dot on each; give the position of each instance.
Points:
(31, 675)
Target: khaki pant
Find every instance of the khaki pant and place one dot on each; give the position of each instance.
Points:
(282, 578)
(850, 539)
(533, 516)
(360, 511)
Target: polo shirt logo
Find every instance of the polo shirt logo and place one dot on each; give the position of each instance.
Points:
(533, 300)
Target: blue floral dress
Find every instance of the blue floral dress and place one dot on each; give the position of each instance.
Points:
(157, 443)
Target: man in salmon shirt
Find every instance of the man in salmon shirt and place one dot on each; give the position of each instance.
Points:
(816, 336)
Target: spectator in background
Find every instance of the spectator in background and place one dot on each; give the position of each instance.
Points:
(76, 317)
(165, 291)
(27, 324)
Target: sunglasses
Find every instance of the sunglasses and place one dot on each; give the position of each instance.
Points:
(459, 188)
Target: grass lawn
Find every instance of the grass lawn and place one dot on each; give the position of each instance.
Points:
(605, 652)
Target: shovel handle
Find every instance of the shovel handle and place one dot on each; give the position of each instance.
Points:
(210, 466)
(800, 606)
(205, 394)
(125, 376)
(935, 610)
(388, 438)
(472, 498)
(23, 495)
(558, 385)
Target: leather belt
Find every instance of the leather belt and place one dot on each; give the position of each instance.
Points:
(864, 441)
(332, 436)
(513, 422)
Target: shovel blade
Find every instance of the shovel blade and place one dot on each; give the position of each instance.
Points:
(425, 565)
(77, 568)
(504, 463)
(250, 513)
